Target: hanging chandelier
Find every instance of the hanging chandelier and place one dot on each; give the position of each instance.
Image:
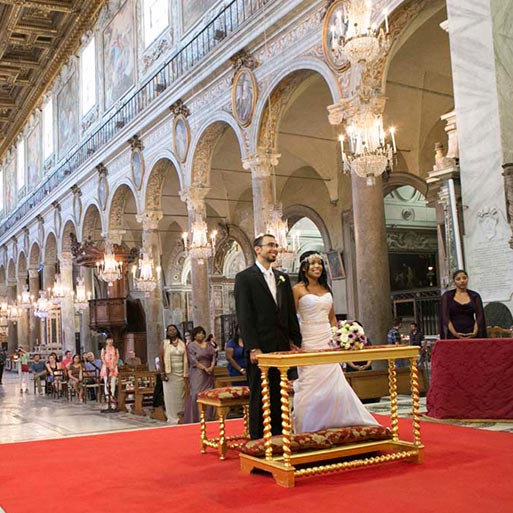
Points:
(365, 150)
(109, 269)
(25, 300)
(14, 313)
(202, 245)
(355, 35)
(81, 301)
(59, 291)
(43, 305)
(278, 227)
(146, 274)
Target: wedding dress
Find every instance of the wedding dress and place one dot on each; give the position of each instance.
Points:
(322, 397)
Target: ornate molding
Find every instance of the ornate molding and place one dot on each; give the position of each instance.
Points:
(194, 196)
(204, 152)
(157, 50)
(261, 163)
(150, 219)
(412, 241)
(136, 143)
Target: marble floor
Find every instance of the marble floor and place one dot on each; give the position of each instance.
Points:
(25, 417)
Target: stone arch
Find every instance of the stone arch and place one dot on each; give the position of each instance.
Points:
(22, 263)
(69, 228)
(279, 94)
(203, 150)
(50, 249)
(232, 233)
(118, 202)
(396, 180)
(3, 280)
(92, 221)
(11, 271)
(34, 256)
(160, 157)
(294, 213)
(405, 19)
(155, 183)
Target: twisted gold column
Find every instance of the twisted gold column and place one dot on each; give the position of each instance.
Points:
(266, 412)
(203, 428)
(285, 417)
(222, 437)
(245, 414)
(414, 384)
(392, 381)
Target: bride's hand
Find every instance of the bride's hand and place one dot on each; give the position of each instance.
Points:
(293, 347)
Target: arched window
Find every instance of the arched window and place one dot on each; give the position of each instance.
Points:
(155, 19)
(88, 76)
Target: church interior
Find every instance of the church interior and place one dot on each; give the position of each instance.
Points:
(145, 144)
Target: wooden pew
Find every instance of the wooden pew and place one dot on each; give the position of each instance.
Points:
(145, 382)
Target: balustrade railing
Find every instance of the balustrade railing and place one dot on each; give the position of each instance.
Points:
(221, 27)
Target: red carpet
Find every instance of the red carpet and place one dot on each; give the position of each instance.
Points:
(160, 470)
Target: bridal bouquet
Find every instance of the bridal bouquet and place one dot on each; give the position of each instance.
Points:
(347, 335)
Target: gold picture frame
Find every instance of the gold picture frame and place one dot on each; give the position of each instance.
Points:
(244, 96)
(181, 137)
(336, 61)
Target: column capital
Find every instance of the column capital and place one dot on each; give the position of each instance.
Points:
(150, 219)
(365, 99)
(33, 273)
(194, 196)
(261, 162)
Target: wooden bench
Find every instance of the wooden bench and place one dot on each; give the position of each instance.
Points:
(144, 386)
(223, 399)
(126, 387)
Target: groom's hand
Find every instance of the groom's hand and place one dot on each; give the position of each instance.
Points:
(253, 355)
(293, 347)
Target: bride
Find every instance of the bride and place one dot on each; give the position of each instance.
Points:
(322, 397)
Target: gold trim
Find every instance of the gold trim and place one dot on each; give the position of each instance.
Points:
(181, 158)
(254, 85)
(326, 50)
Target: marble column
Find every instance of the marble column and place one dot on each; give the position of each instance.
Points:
(194, 196)
(67, 308)
(153, 302)
(85, 330)
(12, 336)
(23, 321)
(480, 33)
(48, 274)
(35, 337)
(372, 268)
(261, 165)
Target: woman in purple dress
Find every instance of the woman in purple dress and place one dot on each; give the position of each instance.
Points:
(461, 311)
(202, 360)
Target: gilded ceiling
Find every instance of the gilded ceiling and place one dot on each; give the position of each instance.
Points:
(36, 38)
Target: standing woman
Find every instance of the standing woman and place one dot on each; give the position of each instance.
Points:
(174, 373)
(235, 355)
(202, 360)
(109, 370)
(461, 311)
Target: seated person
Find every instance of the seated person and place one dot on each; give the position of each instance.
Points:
(55, 372)
(38, 369)
(76, 376)
(133, 360)
(66, 361)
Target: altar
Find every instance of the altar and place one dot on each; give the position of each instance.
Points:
(284, 467)
(471, 379)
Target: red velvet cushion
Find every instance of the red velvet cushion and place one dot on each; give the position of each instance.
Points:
(225, 393)
(298, 442)
(355, 434)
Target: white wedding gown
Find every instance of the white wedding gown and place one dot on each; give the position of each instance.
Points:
(322, 397)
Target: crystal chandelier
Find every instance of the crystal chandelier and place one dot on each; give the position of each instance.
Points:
(146, 274)
(59, 291)
(14, 313)
(43, 305)
(81, 301)
(278, 227)
(354, 34)
(367, 153)
(25, 300)
(202, 246)
(109, 269)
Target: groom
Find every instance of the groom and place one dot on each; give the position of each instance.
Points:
(267, 320)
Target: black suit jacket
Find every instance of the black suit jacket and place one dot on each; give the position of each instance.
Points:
(265, 324)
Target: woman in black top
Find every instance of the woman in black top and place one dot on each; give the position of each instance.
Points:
(461, 311)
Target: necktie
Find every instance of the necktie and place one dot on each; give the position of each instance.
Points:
(271, 282)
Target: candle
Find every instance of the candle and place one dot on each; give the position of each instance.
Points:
(341, 139)
(392, 133)
(185, 238)
(385, 12)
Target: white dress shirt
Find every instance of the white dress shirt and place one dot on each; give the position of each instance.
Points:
(269, 278)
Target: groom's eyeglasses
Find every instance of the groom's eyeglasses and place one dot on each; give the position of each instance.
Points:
(270, 244)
